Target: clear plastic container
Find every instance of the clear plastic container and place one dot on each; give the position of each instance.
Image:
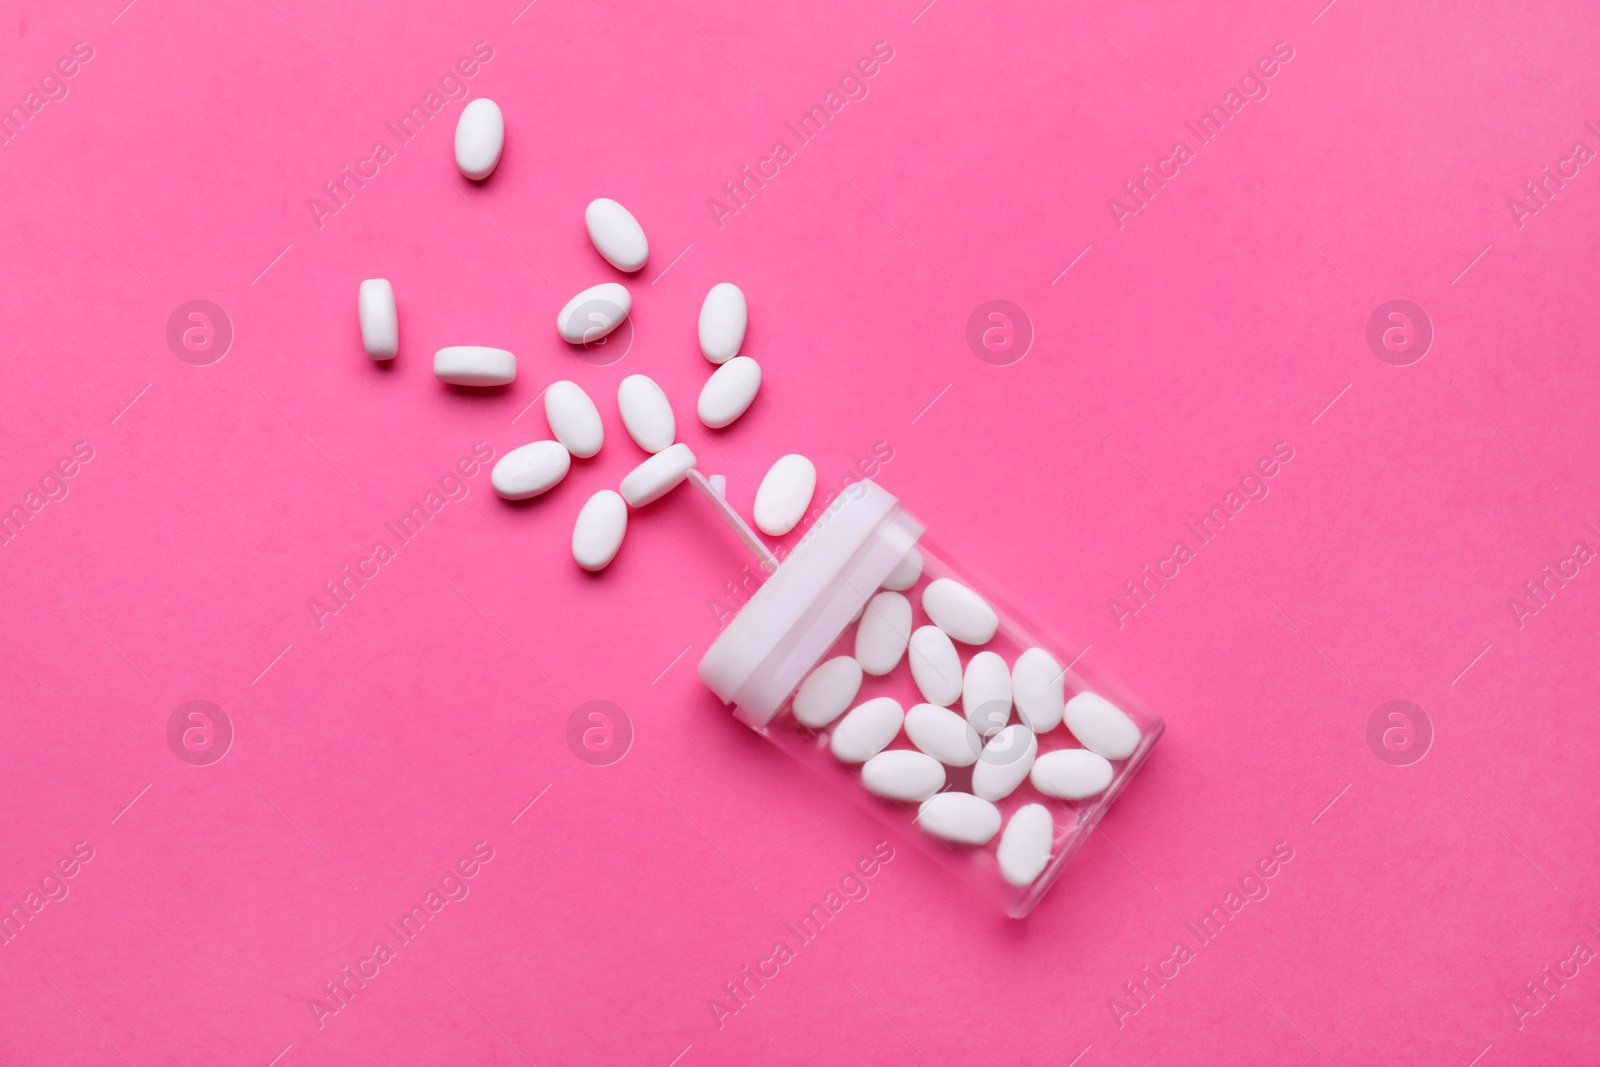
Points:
(807, 613)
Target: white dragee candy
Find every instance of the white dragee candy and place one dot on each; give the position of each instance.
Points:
(530, 470)
(883, 632)
(1004, 762)
(1101, 727)
(723, 319)
(646, 413)
(594, 313)
(784, 495)
(1038, 685)
(616, 234)
(986, 693)
(597, 535)
(959, 817)
(480, 137)
(901, 774)
(380, 323)
(935, 666)
(658, 475)
(474, 365)
(905, 573)
(729, 391)
(959, 612)
(866, 730)
(1025, 846)
(943, 734)
(573, 418)
(827, 691)
(1070, 773)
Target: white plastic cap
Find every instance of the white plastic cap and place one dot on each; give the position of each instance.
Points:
(802, 609)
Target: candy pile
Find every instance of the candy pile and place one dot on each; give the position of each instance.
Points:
(959, 767)
(965, 770)
(784, 494)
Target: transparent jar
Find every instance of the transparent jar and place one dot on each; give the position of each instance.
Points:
(811, 613)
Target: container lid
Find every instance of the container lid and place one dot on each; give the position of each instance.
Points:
(797, 615)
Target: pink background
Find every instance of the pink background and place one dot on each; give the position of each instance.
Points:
(373, 753)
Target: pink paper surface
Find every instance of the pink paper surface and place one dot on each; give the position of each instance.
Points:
(1443, 911)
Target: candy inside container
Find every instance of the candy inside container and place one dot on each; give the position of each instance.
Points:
(876, 660)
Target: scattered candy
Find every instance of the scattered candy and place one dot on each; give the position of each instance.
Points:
(530, 470)
(573, 418)
(380, 323)
(646, 413)
(597, 535)
(658, 475)
(729, 391)
(723, 319)
(474, 365)
(480, 137)
(594, 313)
(616, 234)
(785, 494)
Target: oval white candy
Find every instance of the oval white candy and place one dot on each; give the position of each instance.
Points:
(729, 391)
(658, 475)
(827, 691)
(1025, 846)
(1004, 762)
(1101, 727)
(866, 730)
(1070, 773)
(785, 494)
(943, 734)
(573, 418)
(906, 572)
(959, 612)
(935, 666)
(530, 470)
(380, 323)
(594, 313)
(1038, 685)
(986, 693)
(616, 234)
(474, 365)
(597, 535)
(480, 137)
(646, 413)
(882, 634)
(959, 817)
(723, 319)
(901, 774)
